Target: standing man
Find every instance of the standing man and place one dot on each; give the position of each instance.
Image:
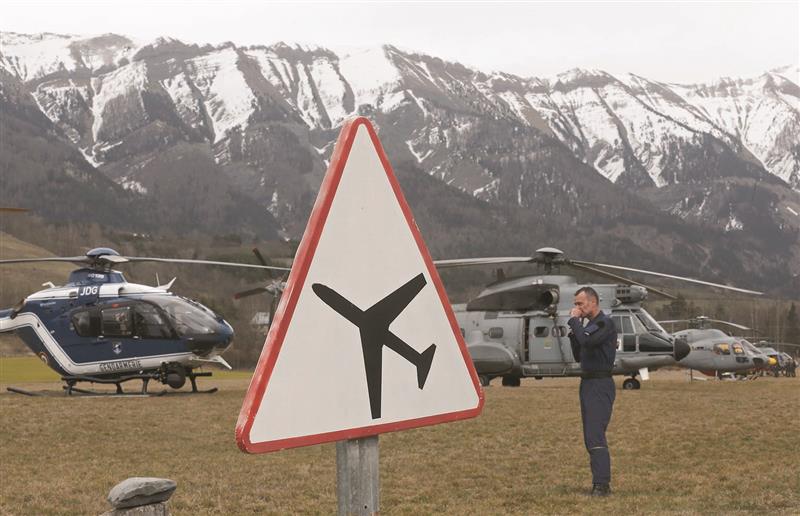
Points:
(594, 346)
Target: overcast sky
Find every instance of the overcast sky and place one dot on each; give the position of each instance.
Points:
(667, 41)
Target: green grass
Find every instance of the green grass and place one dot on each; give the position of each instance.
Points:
(25, 370)
(677, 447)
(29, 369)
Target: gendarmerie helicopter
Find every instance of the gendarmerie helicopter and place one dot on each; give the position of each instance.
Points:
(714, 352)
(516, 328)
(99, 328)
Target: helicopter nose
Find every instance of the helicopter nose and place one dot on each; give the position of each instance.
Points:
(203, 344)
(219, 340)
(682, 349)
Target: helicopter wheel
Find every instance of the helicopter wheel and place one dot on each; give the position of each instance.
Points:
(631, 384)
(511, 381)
(484, 379)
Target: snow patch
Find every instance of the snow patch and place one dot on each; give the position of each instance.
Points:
(369, 73)
(187, 106)
(733, 224)
(273, 203)
(487, 190)
(129, 79)
(132, 185)
(420, 157)
(228, 99)
(33, 56)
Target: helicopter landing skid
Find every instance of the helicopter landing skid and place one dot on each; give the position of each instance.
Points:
(71, 382)
(71, 388)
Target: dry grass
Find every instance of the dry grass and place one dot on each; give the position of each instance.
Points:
(705, 447)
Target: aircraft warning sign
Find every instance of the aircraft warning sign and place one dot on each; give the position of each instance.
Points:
(364, 340)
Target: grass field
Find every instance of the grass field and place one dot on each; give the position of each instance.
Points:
(677, 447)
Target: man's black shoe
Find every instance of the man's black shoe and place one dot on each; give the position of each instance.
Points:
(601, 490)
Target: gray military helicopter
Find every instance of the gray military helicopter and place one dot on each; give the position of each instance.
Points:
(714, 352)
(516, 327)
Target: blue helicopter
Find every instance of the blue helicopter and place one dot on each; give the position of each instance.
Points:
(99, 328)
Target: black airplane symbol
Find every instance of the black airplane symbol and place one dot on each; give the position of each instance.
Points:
(373, 324)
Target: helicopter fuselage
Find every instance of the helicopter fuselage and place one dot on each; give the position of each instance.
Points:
(714, 352)
(518, 328)
(100, 326)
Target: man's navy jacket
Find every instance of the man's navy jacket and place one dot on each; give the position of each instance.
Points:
(595, 345)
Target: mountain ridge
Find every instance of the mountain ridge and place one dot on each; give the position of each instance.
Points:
(259, 121)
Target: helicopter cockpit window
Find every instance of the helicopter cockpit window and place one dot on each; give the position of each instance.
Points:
(748, 346)
(541, 331)
(738, 349)
(188, 318)
(150, 324)
(82, 323)
(117, 322)
(638, 327)
(722, 349)
(650, 323)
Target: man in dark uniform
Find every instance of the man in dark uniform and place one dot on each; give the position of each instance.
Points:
(594, 346)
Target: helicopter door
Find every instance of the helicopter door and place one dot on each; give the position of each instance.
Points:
(545, 341)
(625, 331)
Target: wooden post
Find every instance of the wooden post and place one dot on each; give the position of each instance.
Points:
(357, 480)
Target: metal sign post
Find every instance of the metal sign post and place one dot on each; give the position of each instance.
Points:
(357, 478)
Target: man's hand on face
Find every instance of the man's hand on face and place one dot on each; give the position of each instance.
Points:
(576, 312)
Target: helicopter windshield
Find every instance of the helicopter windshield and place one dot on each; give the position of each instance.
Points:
(650, 323)
(749, 347)
(188, 318)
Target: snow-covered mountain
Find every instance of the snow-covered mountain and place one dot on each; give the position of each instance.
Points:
(629, 129)
(150, 114)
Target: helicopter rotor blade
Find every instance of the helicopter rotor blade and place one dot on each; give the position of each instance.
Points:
(262, 261)
(739, 326)
(71, 259)
(204, 262)
(259, 256)
(466, 262)
(661, 274)
(250, 292)
(621, 278)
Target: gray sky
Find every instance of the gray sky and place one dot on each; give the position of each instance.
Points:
(667, 41)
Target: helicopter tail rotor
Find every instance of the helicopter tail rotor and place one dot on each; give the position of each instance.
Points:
(274, 288)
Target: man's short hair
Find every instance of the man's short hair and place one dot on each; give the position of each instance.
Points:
(590, 292)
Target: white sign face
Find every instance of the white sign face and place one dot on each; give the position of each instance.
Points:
(364, 339)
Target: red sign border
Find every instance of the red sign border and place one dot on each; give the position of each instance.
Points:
(294, 284)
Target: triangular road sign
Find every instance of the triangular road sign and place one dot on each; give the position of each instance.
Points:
(364, 340)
